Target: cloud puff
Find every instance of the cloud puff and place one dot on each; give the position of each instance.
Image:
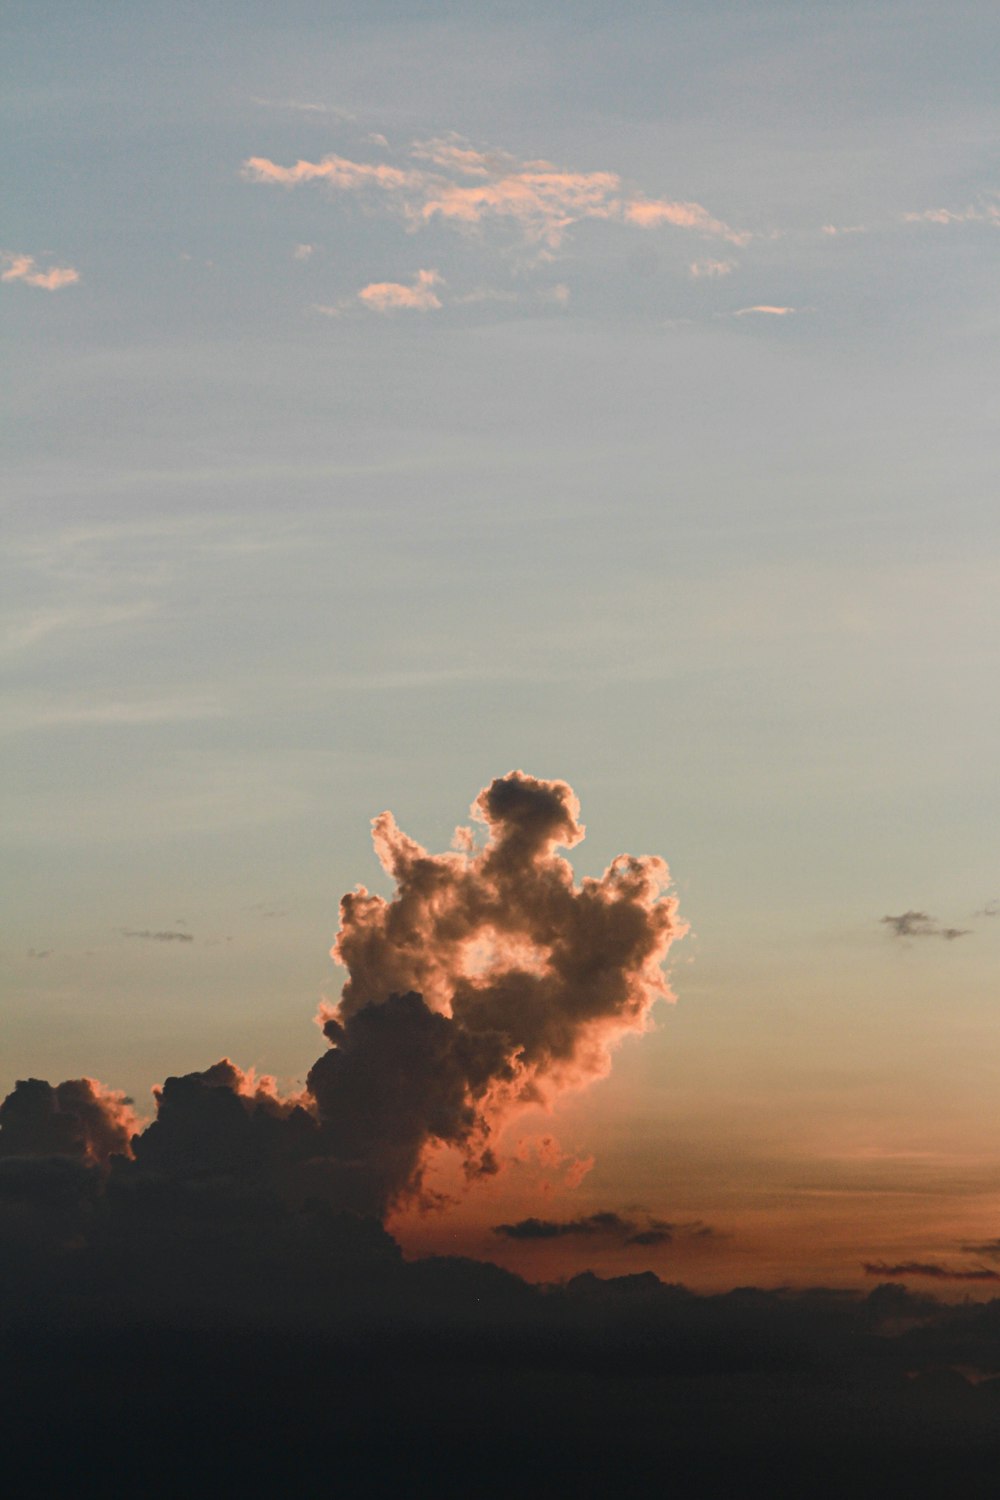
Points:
(14, 267)
(469, 188)
(393, 296)
(914, 924)
(768, 309)
(712, 268)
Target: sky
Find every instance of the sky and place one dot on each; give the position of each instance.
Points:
(406, 394)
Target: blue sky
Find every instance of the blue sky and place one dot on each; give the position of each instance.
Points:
(665, 465)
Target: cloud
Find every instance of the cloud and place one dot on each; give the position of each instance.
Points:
(489, 981)
(766, 308)
(712, 268)
(608, 1224)
(991, 909)
(985, 212)
(649, 213)
(392, 296)
(303, 252)
(79, 1119)
(989, 1248)
(168, 936)
(25, 268)
(929, 1269)
(602, 1222)
(461, 185)
(913, 924)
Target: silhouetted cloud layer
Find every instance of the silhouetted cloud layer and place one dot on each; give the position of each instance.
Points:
(932, 1270)
(605, 1222)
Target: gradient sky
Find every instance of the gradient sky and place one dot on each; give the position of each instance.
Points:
(403, 393)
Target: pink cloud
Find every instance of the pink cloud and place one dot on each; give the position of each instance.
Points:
(25, 268)
(468, 187)
(648, 213)
(337, 171)
(393, 296)
(764, 307)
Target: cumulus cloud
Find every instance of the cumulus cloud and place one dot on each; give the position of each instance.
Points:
(393, 296)
(14, 267)
(79, 1118)
(489, 981)
(461, 185)
(917, 924)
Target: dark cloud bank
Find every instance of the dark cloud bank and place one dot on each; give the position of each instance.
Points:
(212, 1306)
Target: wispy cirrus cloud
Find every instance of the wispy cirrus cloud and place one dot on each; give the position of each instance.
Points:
(25, 268)
(449, 179)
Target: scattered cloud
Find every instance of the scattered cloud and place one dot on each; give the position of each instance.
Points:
(40, 952)
(303, 252)
(15, 267)
(167, 936)
(989, 1248)
(393, 296)
(991, 909)
(837, 229)
(701, 269)
(929, 1269)
(608, 1224)
(449, 179)
(766, 308)
(986, 211)
(914, 924)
